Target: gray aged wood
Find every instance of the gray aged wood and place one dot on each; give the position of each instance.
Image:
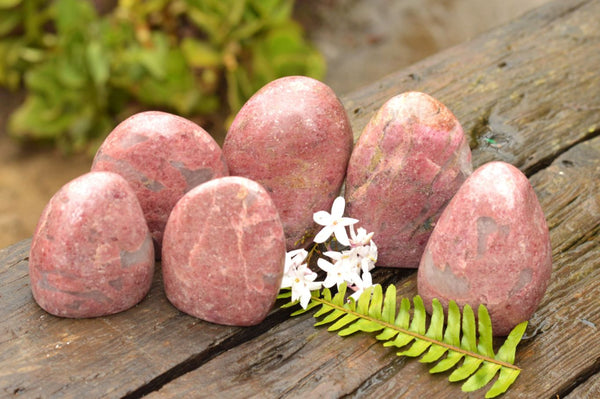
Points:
(47, 356)
(589, 389)
(527, 93)
(291, 359)
(531, 86)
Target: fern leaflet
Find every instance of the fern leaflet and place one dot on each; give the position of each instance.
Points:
(378, 312)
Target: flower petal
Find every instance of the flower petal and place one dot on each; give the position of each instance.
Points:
(305, 298)
(286, 281)
(322, 217)
(337, 209)
(324, 264)
(341, 235)
(330, 281)
(296, 292)
(297, 253)
(347, 221)
(367, 280)
(323, 235)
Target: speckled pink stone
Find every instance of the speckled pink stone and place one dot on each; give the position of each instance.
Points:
(409, 161)
(162, 156)
(293, 137)
(224, 252)
(490, 246)
(91, 253)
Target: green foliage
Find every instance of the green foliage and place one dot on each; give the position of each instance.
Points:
(83, 71)
(376, 312)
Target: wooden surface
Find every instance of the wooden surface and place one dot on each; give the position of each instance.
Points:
(533, 87)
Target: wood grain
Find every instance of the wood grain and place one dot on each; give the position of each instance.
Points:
(46, 356)
(290, 360)
(530, 86)
(526, 93)
(568, 191)
(589, 389)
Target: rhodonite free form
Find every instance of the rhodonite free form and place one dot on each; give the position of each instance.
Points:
(294, 138)
(491, 246)
(92, 253)
(409, 161)
(162, 156)
(224, 252)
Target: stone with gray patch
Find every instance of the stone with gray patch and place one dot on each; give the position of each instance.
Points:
(162, 156)
(491, 246)
(407, 164)
(92, 253)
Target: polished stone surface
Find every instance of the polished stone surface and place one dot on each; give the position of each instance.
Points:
(293, 137)
(407, 164)
(92, 253)
(162, 156)
(224, 252)
(491, 246)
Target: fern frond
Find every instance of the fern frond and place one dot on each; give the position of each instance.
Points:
(437, 343)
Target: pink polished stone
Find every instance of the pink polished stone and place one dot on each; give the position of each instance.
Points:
(490, 246)
(91, 253)
(162, 156)
(409, 161)
(294, 138)
(224, 252)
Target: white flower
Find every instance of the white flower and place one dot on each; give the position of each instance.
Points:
(351, 265)
(359, 288)
(349, 257)
(360, 238)
(302, 281)
(294, 258)
(368, 255)
(341, 270)
(334, 222)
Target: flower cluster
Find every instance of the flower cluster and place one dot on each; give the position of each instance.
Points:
(352, 265)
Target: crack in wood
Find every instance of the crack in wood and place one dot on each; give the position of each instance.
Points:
(380, 376)
(582, 240)
(198, 360)
(273, 360)
(16, 262)
(585, 375)
(568, 11)
(543, 163)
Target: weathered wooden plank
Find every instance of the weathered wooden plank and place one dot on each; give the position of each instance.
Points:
(530, 86)
(567, 343)
(515, 86)
(590, 389)
(46, 356)
(296, 360)
(527, 147)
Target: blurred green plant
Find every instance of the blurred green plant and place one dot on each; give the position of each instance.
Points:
(82, 72)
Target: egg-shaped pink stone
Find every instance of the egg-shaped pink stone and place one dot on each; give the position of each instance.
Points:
(224, 252)
(409, 161)
(491, 246)
(294, 138)
(162, 156)
(92, 253)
